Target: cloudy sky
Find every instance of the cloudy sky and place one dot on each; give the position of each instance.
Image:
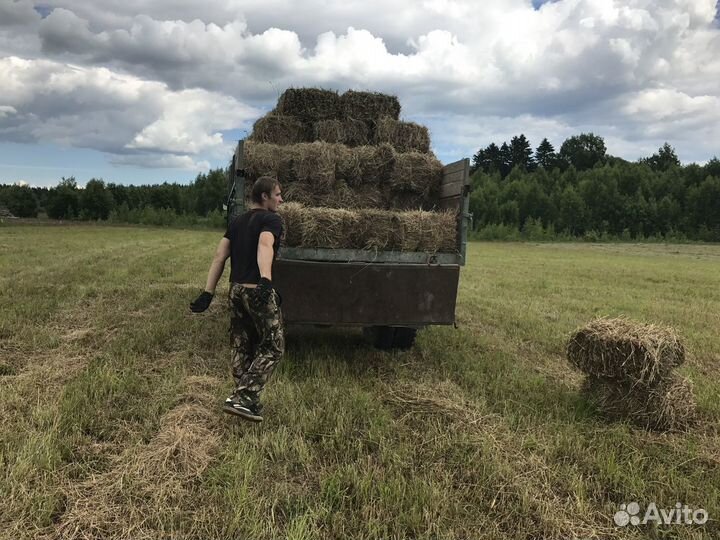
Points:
(144, 92)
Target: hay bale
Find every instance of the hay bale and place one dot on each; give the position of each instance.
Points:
(310, 104)
(314, 164)
(330, 131)
(668, 405)
(369, 105)
(328, 228)
(406, 200)
(625, 350)
(347, 165)
(403, 136)
(261, 159)
(378, 230)
(341, 196)
(417, 173)
(357, 132)
(428, 231)
(292, 217)
(367, 196)
(298, 192)
(279, 129)
(366, 165)
(335, 228)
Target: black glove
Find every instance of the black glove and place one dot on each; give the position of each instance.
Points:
(263, 291)
(201, 303)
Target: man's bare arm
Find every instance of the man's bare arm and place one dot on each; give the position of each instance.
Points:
(265, 254)
(218, 265)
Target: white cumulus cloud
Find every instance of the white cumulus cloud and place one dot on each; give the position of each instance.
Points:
(167, 78)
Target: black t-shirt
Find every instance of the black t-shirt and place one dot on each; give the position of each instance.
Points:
(244, 234)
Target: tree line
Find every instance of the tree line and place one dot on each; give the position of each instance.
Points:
(576, 191)
(161, 204)
(580, 190)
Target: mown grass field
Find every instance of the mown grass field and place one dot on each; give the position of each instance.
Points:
(110, 394)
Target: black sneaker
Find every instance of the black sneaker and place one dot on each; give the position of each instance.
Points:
(248, 411)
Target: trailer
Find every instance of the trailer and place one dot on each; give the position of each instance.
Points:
(390, 294)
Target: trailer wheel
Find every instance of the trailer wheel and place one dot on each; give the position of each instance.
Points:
(387, 338)
(404, 337)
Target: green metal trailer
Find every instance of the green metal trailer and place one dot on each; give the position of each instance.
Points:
(391, 294)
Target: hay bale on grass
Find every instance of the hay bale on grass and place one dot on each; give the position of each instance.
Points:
(417, 173)
(668, 405)
(310, 104)
(625, 350)
(330, 131)
(279, 129)
(369, 105)
(403, 136)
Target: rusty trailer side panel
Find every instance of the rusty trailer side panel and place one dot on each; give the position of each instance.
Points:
(319, 292)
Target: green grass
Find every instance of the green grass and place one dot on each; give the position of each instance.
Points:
(478, 432)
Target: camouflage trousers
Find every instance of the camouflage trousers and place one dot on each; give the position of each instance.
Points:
(257, 339)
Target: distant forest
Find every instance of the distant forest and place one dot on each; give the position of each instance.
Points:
(517, 192)
(197, 203)
(581, 191)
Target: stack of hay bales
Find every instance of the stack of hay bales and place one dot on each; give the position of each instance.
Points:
(630, 373)
(351, 154)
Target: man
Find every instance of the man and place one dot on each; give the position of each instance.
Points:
(256, 326)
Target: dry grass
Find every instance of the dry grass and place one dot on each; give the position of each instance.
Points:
(618, 348)
(470, 434)
(148, 481)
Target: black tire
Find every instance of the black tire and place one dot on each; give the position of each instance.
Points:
(404, 338)
(387, 338)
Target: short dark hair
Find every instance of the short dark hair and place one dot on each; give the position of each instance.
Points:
(264, 184)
